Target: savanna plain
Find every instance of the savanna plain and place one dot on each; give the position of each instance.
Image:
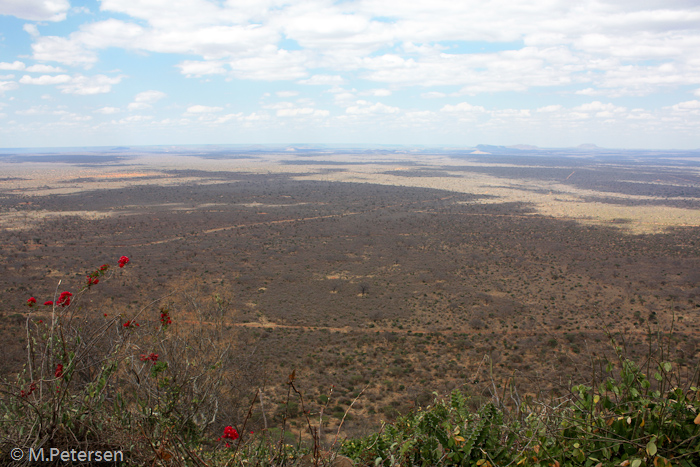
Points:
(374, 280)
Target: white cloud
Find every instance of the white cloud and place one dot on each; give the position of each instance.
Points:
(71, 117)
(550, 108)
(588, 92)
(238, 117)
(87, 85)
(344, 98)
(45, 69)
(172, 29)
(193, 68)
(511, 70)
(149, 97)
(133, 119)
(271, 65)
(378, 92)
(37, 110)
(44, 80)
(139, 106)
(323, 80)
(7, 86)
(76, 84)
(433, 95)
(228, 117)
(36, 10)
(203, 109)
(81, 9)
(510, 113)
(565, 43)
(686, 106)
(303, 111)
(14, 66)
(107, 110)
(444, 49)
(463, 107)
(62, 50)
(31, 29)
(600, 109)
(366, 108)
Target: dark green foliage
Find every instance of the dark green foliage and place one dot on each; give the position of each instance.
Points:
(447, 433)
(627, 420)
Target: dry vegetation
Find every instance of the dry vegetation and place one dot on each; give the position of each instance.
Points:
(395, 290)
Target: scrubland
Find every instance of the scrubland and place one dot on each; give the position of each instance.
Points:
(312, 310)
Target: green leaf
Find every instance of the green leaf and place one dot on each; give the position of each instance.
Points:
(667, 367)
(651, 448)
(636, 463)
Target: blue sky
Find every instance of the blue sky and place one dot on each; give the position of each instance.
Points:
(550, 73)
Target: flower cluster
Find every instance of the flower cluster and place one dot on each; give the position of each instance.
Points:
(152, 357)
(165, 319)
(64, 299)
(59, 370)
(32, 388)
(229, 433)
(92, 279)
(130, 324)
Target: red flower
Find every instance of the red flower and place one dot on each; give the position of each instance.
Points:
(32, 388)
(127, 324)
(165, 319)
(41, 321)
(59, 370)
(31, 301)
(104, 267)
(92, 280)
(48, 303)
(152, 357)
(123, 261)
(64, 299)
(229, 433)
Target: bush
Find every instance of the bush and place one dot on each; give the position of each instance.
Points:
(129, 383)
(159, 391)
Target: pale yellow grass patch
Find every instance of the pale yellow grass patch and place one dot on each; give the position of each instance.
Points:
(558, 200)
(19, 220)
(546, 198)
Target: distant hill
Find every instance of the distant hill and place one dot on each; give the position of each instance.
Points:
(589, 147)
(487, 148)
(524, 147)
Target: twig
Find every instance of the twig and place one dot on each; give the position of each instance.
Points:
(345, 415)
(314, 434)
(240, 436)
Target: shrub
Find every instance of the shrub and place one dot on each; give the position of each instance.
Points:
(127, 383)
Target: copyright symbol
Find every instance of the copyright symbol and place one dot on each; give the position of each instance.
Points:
(17, 454)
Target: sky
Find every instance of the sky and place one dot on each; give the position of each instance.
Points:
(445, 73)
